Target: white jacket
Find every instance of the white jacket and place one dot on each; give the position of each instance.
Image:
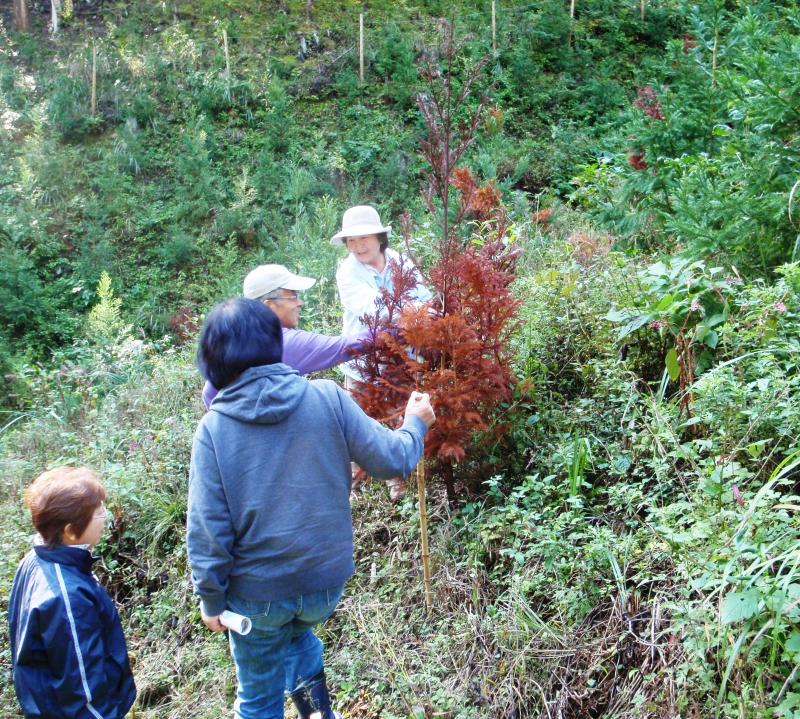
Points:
(359, 287)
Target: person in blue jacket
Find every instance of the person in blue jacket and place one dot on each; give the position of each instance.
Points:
(269, 530)
(68, 652)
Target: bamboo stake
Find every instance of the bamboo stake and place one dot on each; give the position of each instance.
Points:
(361, 47)
(423, 531)
(227, 56)
(572, 23)
(94, 78)
(494, 26)
(21, 22)
(55, 7)
(423, 522)
(714, 60)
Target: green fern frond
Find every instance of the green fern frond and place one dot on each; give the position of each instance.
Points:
(105, 322)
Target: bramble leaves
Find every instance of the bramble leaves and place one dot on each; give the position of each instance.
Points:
(738, 606)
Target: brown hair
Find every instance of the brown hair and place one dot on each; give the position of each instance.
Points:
(62, 496)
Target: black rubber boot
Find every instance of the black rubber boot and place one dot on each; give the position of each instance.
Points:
(313, 697)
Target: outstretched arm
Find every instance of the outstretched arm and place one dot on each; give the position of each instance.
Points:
(310, 352)
(383, 452)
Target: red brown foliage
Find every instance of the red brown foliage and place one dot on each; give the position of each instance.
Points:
(495, 120)
(647, 101)
(184, 324)
(542, 216)
(636, 160)
(496, 114)
(463, 181)
(486, 199)
(459, 355)
(480, 201)
(454, 347)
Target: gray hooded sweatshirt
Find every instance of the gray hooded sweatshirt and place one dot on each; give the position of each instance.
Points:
(269, 484)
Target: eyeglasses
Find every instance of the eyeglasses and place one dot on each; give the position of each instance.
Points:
(292, 296)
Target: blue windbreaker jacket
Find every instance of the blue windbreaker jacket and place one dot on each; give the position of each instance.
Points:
(69, 656)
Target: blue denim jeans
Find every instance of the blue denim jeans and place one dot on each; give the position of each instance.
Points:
(280, 653)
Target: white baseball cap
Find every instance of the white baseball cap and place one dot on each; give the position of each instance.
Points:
(360, 220)
(268, 278)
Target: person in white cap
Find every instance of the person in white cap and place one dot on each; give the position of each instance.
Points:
(307, 352)
(360, 277)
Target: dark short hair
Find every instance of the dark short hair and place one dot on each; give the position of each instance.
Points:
(383, 239)
(62, 496)
(238, 334)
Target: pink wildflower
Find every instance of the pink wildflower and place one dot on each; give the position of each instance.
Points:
(657, 324)
(780, 307)
(695, 304)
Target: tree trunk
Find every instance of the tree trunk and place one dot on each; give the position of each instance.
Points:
(21, 21)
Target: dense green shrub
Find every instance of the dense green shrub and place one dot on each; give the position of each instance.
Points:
(394, 64)
(709, 157)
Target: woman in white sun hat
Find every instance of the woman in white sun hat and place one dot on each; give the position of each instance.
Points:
(360, 278)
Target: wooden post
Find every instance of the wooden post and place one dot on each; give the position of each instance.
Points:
(494, 26)
(94, 78)
(572, 24)
(361, 47)
(55, 7)
(641, 8)
(227, 56)
(21, 21)
(714, 60)
(423, 533)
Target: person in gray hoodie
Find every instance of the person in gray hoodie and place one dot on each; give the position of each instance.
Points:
(269, 530)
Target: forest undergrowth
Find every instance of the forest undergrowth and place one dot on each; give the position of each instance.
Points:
(614, 576)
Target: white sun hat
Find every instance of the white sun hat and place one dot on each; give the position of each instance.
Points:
(268, 278)
(360, 220)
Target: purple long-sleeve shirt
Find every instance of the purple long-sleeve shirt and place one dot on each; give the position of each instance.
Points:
(307, 352)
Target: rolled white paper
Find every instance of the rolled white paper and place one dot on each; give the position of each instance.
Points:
(236, 622)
